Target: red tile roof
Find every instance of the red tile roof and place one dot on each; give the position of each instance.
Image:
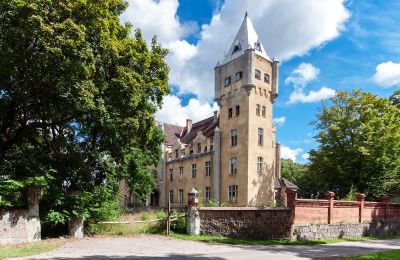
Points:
(172, 132)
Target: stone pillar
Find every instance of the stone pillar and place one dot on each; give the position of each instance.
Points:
(330, 196)
(361, 199)
(278, 160)
(217, 165)
(33, 201)
(193, 221)
(275, 75)
(385, 199)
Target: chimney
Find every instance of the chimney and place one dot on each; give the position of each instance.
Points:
(188, 124)
(216, 114)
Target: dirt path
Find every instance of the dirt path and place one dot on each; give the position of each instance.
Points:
(159, 247)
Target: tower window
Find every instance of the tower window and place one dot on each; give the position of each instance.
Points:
(257, 74)
(258, 110)
(227, 81)
(260, 136)
(232, 166)
(263, 111)
(238, 75)
(194, 171)
(234, 137)
(237, 110)
(171, 174)
(230, 113)
(233, 193)
(260, 163)
(266, 77)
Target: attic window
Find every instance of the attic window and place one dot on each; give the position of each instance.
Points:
(257, 46)
(236, 48)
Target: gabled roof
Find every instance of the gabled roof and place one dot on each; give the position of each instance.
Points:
(172, 132)
(206, 126)
(245, 39)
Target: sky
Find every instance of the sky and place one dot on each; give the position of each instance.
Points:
(323, 46)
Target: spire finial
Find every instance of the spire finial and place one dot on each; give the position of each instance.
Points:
(245, 15)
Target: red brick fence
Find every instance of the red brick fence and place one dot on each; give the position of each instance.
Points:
(305, 219)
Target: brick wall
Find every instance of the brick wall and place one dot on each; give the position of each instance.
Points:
(251, 222)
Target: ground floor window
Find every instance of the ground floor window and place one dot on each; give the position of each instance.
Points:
(233, 193)
(171, 196)
(180, 196)
(207, 194)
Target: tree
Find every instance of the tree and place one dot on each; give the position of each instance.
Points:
(359, 145)
(300, 175)
(77, 103)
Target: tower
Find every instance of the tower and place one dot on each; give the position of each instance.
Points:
(246, 85)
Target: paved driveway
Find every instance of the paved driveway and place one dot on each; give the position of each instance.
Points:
(159, 247)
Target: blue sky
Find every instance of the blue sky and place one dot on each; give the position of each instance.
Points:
(323, 46)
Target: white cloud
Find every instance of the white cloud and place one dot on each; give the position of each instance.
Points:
(387, 74)
(303, 74)
(313, 96)
(287, 28)
(305, 156)
(279, 121)
(289, 153)
(173, 112)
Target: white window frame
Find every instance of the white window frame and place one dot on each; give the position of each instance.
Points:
(208, 168)
(260, 164)
(181, 173)
(194, 171)
(260, 136)
(207, 193)
(180, 196)
(233, 166)
(234, 135)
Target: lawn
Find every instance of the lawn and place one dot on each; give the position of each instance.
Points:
(388, 255)
(31, 248)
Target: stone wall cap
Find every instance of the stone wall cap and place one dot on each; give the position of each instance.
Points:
(244, 209)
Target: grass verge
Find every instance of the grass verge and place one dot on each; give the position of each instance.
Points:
(388, 255)
(241, 241)
(30, 248)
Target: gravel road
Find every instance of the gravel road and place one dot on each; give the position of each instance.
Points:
(160, 247)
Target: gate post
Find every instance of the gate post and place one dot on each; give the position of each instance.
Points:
(330, 196)
(193, 223)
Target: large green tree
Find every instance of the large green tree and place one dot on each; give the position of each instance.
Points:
(77, 102)
(359, 148)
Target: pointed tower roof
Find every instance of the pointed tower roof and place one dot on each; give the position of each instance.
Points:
(245, 39)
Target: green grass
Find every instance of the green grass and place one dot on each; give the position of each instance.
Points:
(241, 241)
(30, 248)
(388, 255)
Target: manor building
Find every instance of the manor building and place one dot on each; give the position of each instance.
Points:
(232, 156)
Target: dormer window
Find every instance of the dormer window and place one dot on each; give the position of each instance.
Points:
(236, 48)
(238, 76)
(227, 81)
(257, 46)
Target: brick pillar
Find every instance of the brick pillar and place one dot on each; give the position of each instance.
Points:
(330, 196)
(385, 199)
(361, 199)
(291, 196)
(193, 215)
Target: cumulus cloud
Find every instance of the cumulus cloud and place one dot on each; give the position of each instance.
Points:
(173, 112)
(289, 153)
(387, 74)
(303, 74)
(305, 156)
(279, 121)
(287, 28)
(313, 96)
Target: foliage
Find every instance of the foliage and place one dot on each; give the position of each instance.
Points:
(359, 145)
(77, 103)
